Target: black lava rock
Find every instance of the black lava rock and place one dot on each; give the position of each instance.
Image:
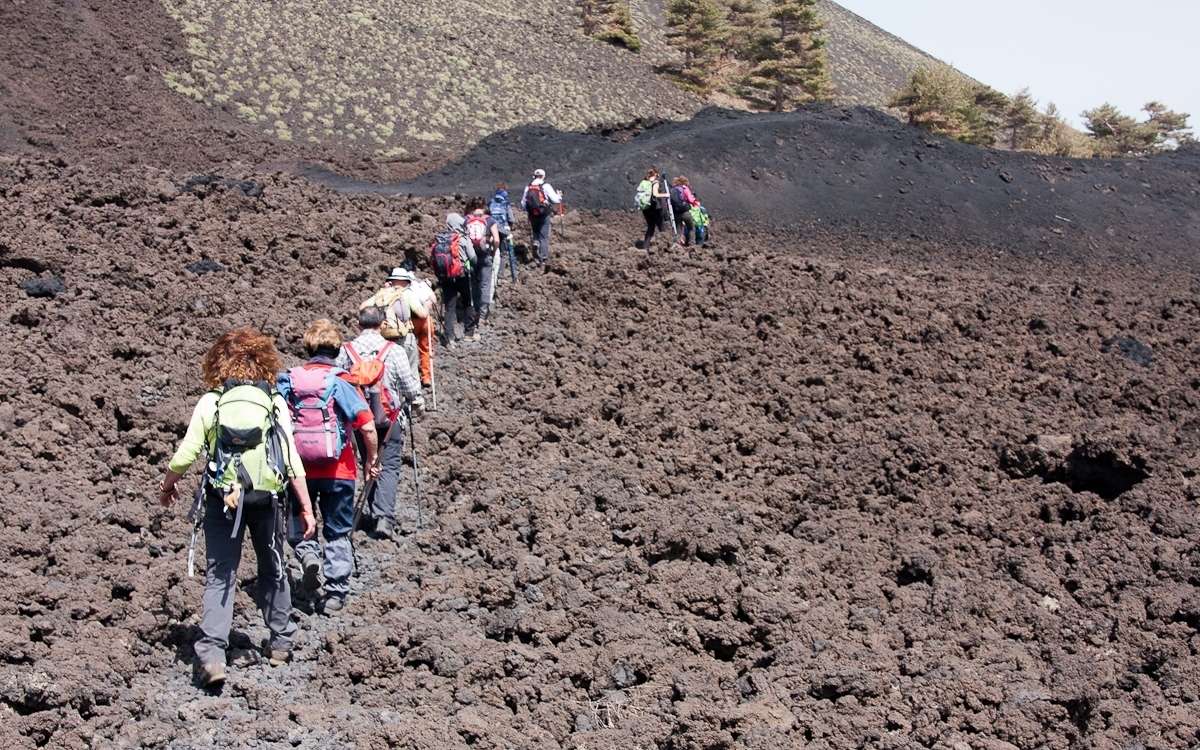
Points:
(44, 286)
(1129, 348)
(203, 266)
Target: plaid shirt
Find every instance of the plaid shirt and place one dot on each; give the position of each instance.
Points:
(397, 376)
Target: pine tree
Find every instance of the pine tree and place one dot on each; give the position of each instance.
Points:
(935, 99)
(792, 68)
(984, 115)
(1021, 120)
(697, 28)
(1170, 127)
(1055, 137)
(610, 21)
(749, 35)
(1118, 134)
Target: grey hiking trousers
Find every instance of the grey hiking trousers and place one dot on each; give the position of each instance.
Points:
(410, 348)
(539, 226)
(273, 597)
(391, 463)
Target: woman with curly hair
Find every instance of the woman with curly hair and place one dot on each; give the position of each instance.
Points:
(682, 202)
(243, 426)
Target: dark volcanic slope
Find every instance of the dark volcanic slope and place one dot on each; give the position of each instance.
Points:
(860, 169)
(764, 497)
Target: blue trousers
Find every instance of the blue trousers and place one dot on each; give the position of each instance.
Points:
(335, 498)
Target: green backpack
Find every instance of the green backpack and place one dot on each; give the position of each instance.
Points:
(699, 216)
(644, 195)
(246, 443)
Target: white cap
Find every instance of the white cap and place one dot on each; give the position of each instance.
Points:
(539, 173)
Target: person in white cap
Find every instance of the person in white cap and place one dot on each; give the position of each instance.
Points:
(539, 201)
(399, 310)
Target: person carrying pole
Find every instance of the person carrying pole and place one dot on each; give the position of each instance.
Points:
(243, 427)
(539, 201)
(381, 370)
(665, 206)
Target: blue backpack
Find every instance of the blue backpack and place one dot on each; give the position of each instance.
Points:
(499, 208)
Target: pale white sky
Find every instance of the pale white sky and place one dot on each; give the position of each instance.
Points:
(1076, 53)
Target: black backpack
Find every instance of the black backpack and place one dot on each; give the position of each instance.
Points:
(678, 204)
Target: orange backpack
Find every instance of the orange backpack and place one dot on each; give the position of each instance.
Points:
(366, 373)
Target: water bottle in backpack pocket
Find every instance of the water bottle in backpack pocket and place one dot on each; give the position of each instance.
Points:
(319, 434)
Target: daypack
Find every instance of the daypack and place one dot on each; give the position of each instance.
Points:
(477, 230)
(319, 434)
(445, 255)
(393, 327)
(247, 464)
(535, 200)
(245, 447)
(367, 374)
(681, 199)
(644, 195)
(498, 209)
(699, 215)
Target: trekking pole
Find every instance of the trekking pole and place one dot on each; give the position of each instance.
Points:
(412, 440)
(495, 277)
(359, 504)
(670, 207)
(432, 369)
(196, 516)
(364, 493)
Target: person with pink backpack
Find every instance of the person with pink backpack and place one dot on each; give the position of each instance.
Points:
(325, 411)
(682, 203)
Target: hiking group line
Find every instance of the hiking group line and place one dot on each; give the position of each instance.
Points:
(329, 434)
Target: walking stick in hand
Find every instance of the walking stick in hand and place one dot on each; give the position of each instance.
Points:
(432, 370)
(412, 441)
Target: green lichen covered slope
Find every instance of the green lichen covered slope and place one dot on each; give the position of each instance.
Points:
(390, 77)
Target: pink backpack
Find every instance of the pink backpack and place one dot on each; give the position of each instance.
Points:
(477, 230)
(318, 432)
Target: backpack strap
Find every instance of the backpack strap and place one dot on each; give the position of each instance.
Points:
(382, 353)
(355, 357)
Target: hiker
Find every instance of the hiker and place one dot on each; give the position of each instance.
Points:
(485, 238)
(649, 200)
(452, 256)
(682, 202)
(501, 210)
(243, 427)
(539, 201)
(387, 389)
(702, 221)
(398, 313)
(325, 410)
(421, 300)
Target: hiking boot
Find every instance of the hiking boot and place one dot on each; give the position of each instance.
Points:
(333, 604)
(451, 346)
(474, 336)
(211, 675)
(384, 528)
(277, 657)
(311, 565)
